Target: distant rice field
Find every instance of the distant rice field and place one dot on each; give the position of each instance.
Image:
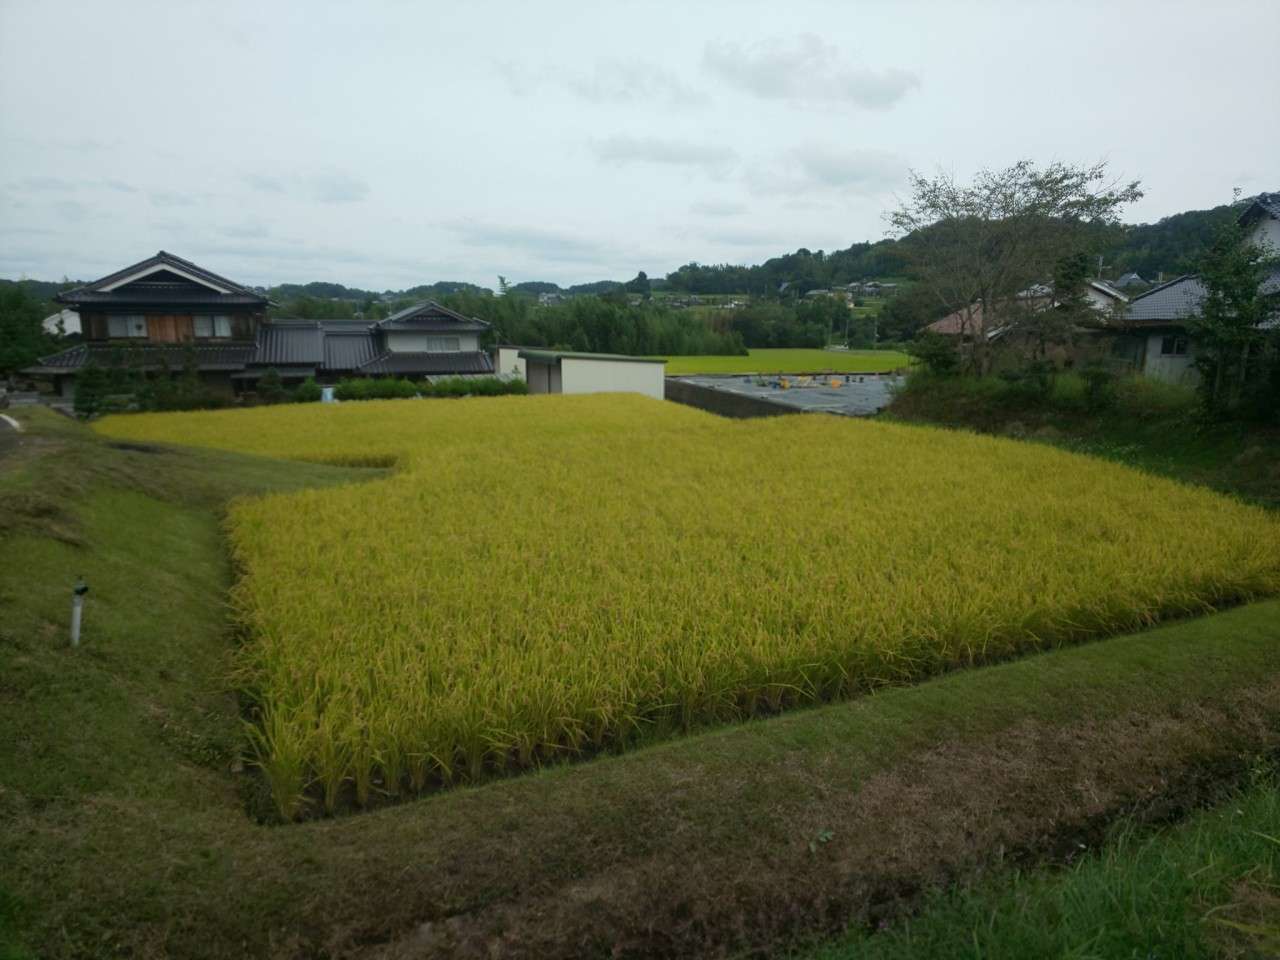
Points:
(792, 361)
(547, 576)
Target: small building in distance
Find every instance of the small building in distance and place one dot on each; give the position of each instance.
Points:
(560, 371)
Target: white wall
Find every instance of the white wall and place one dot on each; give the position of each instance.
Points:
(1169, 369)
(409, 341)
(507, 362)
(1266, 232)
(608, 376)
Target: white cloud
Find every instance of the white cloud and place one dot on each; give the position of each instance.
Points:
(609, 81)
(805, 69)
(821, 168)
(717, 208)
(338, 188)
(622, 150)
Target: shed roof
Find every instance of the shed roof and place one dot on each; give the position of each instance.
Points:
(554, 356)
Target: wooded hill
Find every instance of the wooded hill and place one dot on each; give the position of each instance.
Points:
(1169, 246)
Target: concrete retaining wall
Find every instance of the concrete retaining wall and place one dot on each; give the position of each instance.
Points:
(721, 402)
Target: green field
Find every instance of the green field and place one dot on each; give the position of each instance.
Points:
(792, 361)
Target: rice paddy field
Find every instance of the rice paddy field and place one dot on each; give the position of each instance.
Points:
(792, 361)
(543, 577)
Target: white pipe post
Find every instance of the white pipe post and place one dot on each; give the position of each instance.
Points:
(77, 602)
(77, 606)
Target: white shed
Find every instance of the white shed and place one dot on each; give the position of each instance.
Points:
(506, 361)
(559, 371)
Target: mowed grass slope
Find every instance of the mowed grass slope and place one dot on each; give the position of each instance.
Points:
(552, 575)
(792, 361)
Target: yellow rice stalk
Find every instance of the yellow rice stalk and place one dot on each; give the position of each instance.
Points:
(543, 576)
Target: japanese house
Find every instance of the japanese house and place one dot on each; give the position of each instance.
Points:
(166, 314)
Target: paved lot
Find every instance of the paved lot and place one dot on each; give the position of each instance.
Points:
(852, 395)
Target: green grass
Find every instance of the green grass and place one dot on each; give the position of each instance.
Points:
(1209, 887)
(1152, 426)
(123, 826)
(792, 361)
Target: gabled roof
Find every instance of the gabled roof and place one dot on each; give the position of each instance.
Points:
(1264, 205)
(164, 278)
(1171, 302)
(431, 317)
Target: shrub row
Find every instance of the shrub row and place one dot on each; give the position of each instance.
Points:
(370, 388)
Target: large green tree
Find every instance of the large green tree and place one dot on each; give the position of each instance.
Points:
(1236, 348)
(978, 246)
(22, 336)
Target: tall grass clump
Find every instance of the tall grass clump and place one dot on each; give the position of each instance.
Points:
(548, 576)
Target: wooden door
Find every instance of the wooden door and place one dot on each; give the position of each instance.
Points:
(169, 328)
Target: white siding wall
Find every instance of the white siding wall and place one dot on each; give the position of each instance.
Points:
(508, 361)
(608, 376)
(1266, 232)
(407, 341)
(1169, 369)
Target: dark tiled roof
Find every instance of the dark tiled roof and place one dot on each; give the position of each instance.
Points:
(1181, 298)
(290, 342)
(429, 363)
(163, 286)
(1174, 300)
(348, 351)
(208, 356)
(431, 317)
(1264, 204)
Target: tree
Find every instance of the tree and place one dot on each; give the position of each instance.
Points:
(22, 336)
(270, 387)
(639, 285)
(981, 244)
(91, 389)
(1233, 351)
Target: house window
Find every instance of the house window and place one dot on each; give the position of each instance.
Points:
(443, 344)
(127, 326)
(212, 326)
(1173, 346)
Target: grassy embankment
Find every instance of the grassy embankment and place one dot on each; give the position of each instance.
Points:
(122, 823)
(793, 361)
(1150, 425)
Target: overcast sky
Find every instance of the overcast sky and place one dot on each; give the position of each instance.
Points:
(389, 144)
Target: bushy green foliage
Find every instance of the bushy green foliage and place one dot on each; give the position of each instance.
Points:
(271, 387)
(1236, 355)
(938, 353)
(22, 336)
(1070, 392)
(307, 392)
(372, 388)
(90, 390)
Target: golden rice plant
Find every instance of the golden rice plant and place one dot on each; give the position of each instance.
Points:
(544, 576)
